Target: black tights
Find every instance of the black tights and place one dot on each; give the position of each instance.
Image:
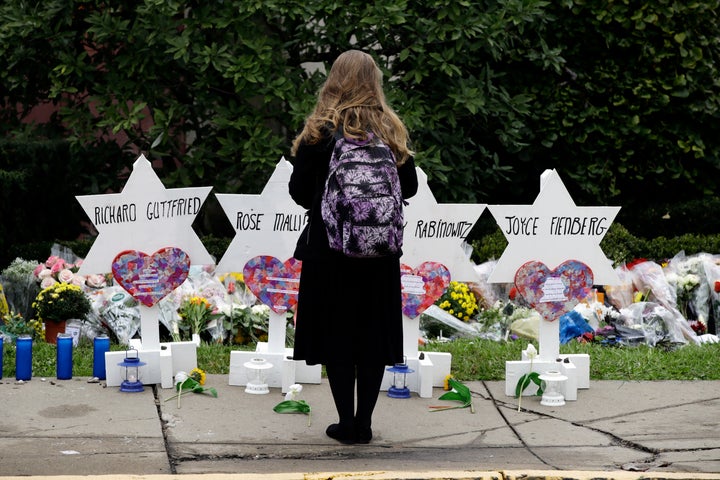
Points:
(341, 377)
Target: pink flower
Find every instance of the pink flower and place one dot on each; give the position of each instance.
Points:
(47, 281)
(78, 280)
(38, 269)
(57, 266)
(65, 275)
(52, 260)
(44, 273)
(96, 281)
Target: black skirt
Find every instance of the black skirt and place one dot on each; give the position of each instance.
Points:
(349, 311)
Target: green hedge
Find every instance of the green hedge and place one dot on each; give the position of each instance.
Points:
(619, 245)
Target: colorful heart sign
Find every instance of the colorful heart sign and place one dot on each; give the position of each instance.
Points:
(273, 282)
(149, 278)
(422, 286)
(553, 293)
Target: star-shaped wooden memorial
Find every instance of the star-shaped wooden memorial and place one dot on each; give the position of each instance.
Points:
(265, 224)
(553, 230)
(435, 231)
(146, 217)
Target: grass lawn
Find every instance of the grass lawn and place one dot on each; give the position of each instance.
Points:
(472, 359)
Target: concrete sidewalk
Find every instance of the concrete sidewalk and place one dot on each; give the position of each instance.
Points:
(614, 430)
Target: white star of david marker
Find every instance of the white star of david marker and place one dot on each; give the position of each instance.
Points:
(145, 216)
(435, 232)
(265, 224)
(553, 230)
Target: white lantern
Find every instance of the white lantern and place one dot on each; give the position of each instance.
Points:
(257, 368)
(552, 396)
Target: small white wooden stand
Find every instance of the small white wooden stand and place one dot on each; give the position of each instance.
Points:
(430, 368)
(285, 371)
(162, 360)
(576, 366)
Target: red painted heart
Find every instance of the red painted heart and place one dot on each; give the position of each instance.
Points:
(149, 278)
(422, 286)
(553, 293)
(273, 282)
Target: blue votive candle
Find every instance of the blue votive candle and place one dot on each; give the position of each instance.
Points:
(101, 344)
(64, 356)
(23, 357)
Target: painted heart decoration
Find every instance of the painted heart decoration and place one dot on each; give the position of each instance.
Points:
(553, 293)
(273, 282)
(422, 286)
(149, 278)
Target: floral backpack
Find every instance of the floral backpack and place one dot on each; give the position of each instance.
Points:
(362, 204)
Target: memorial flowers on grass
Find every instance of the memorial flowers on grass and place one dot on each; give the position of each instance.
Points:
(17, 282)
(61, 302)
(13, 325)
(196, 312)
(459, 301)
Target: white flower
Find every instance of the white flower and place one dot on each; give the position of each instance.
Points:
(96, 280)
(689, 281)
(45, 273)
(293, 391)
(65, 275)
(180, 377)
(47, 281)
(260, 309)
(530, 351)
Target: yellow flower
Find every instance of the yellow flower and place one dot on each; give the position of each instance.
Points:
(446, 382)
(198, 375)
(459, 301)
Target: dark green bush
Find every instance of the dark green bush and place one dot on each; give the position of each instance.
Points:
(619, 245)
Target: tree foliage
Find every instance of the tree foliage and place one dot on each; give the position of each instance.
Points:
(620, 96)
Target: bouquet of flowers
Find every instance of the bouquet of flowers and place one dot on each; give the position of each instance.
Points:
(459, 301)
(19, 285)
(58, 270)
(61, 302)
(196, 312)
(13, 325)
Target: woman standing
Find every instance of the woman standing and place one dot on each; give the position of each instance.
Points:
(349, 315)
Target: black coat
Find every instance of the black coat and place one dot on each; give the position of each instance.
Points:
(349, 309)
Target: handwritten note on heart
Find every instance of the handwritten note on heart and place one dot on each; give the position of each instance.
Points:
(273, 282)
(422, 286)
(149, 278)
(553, 293)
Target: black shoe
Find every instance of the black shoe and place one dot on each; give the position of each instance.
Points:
(363, 432)
(341, 434)
(363, 435)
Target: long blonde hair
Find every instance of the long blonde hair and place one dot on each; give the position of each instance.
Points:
(352, 98)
